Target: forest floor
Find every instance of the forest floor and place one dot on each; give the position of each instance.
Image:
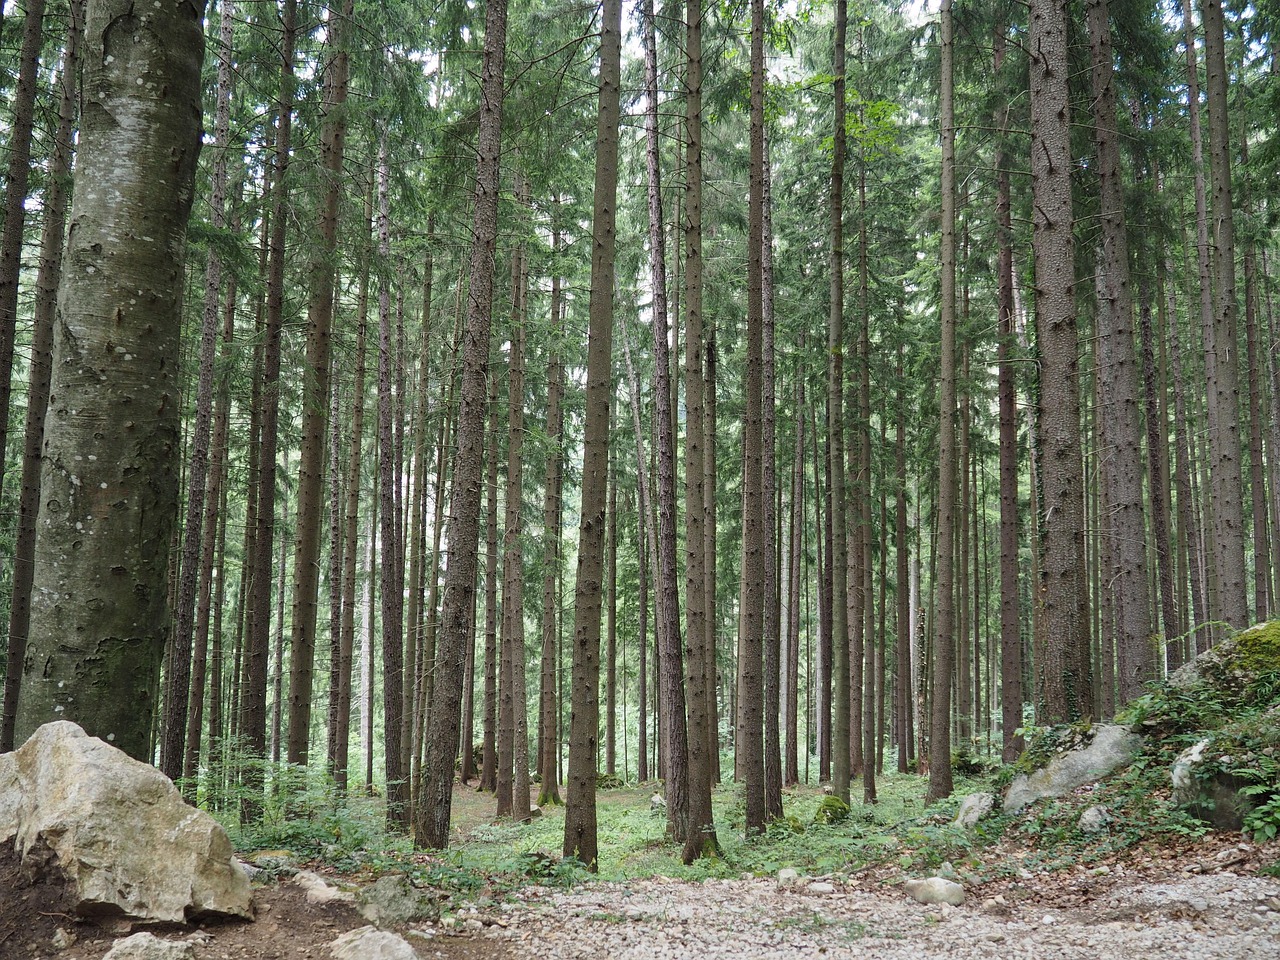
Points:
(1034, 889)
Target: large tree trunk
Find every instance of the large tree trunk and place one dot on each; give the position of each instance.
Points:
(1065, 666)
(1125, 523)
(580, 840)
(444, 726)
(1222, 386)
(109, 484)
(699, 641)
(52, 241)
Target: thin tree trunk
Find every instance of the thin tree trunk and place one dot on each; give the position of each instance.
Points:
(491, 775)
(340, 712)
(254, 690)
(16, 181)
(315, 389)
(940, 784)
(548, 727)
(837, 562)
(52, 241)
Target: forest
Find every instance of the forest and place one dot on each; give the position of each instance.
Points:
(557, 394)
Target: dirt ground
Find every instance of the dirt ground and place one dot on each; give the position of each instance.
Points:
(1199, 901)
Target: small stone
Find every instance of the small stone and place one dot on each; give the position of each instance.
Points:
(993, 937)
(146, 946)
(935, 890)
(1095, 820)
(1048, 919)
(320, 890)
(974, 808)
(822, 888)
(787, 877)
(63, 938)
(370, 943)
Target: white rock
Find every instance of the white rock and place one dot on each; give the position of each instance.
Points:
(145, 946)
(63, 939)
(320, 890)
(1186, 790)
(821, 887)
(1095, 820)
(935, 890)
(974, 808)
(370, 943)
(787, 877)
(118, 829)
(1113, 747)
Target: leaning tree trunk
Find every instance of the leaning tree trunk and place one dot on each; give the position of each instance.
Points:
(444, 726)
(109, 484)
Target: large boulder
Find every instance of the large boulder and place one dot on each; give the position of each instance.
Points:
(117, 830)
(1112, 747)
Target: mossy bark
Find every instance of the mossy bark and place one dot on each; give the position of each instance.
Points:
(109, 480)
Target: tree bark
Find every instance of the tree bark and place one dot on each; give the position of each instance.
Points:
(1065, 666)
(580, 840)
(444, 726)
(108, 483)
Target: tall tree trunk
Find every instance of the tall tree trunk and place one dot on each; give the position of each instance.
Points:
(108, 484)
(902, 651)
(315, 388)
(1118, 379)
(940, 718)
(771, 625)
(837, 563)
(1065, 666)
(1225, 495)
(15, 204)
(580, 840)
(444, 726)
(490, 776)
(611, 627)
(1011, 693)
(749, 744)
(52, 241)
(512, 550)
(548, 727)
(692, 821)
(391, 557)
(340, 685)
(253, 694)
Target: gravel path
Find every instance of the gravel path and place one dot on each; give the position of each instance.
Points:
(1217, 916)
